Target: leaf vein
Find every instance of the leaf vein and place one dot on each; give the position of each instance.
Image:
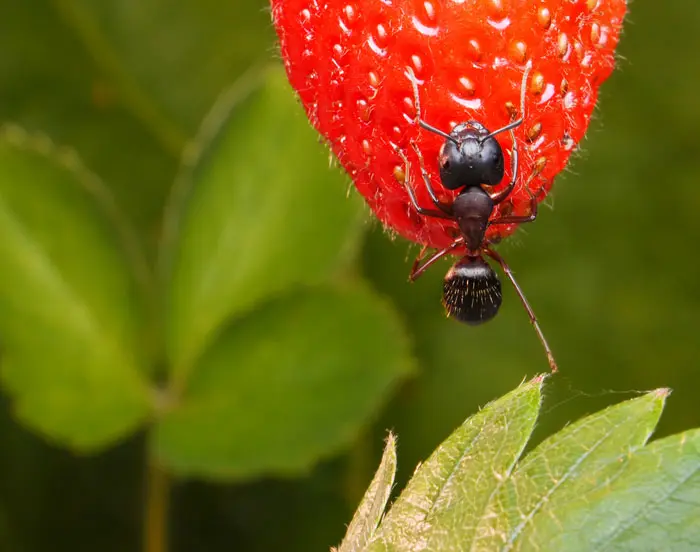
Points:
(540, 504)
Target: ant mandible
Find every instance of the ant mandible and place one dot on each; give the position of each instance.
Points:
(471, 158)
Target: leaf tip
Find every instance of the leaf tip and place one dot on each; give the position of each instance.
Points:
(389, 456)
(540, 379)
(390, 441)
(662, 392)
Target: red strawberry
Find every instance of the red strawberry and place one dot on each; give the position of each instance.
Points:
(349, 61)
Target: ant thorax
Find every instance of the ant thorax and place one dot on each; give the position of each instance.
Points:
(472, 209)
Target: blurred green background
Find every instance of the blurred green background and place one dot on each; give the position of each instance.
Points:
(611, 269)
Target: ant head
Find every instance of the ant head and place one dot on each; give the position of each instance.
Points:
(472, 291)
(470, 156)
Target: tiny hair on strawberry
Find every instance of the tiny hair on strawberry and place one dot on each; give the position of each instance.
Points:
(452, 117)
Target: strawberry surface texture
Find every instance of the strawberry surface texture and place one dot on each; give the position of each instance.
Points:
(354, 63)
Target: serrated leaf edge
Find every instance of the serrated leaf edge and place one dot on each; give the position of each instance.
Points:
(371, 510)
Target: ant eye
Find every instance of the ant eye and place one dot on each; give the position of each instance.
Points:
(451, 166)
(490, 163)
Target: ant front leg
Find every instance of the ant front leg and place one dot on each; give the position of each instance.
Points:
(505, 192)
(419, 268)
(520, 219)
(412, 193)
(444, 207)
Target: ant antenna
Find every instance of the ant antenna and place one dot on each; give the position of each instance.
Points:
(519, 122)
(412, 77)
(414, 83)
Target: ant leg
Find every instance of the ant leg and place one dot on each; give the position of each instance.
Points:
(418, 268)
(426, 178)
(419, 258)
(505, 192)
(533, 319)
(444, 207)
(523, 218)
(412, 194)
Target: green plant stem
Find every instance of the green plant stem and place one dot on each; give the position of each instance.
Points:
(155, 538)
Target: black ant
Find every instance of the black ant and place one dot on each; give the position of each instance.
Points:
(471, 158)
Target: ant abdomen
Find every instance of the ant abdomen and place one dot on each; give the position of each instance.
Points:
(472, 291)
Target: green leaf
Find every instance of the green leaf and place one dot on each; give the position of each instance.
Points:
(652, 505)
(126, 82)
(255, 213)
(371, 509)
(564, 469)
(594, 486)
(443, 504)
(70, 315)
(290, 383)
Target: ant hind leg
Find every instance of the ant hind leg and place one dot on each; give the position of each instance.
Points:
(533, 319)
(520, 219)
(420, 267)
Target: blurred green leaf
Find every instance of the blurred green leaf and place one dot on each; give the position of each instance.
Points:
(255, 212)
(50, 82)
(443, 504)
(371, 509)
(126, 83)
(564, 469)
(287, 384)
(70, 314)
